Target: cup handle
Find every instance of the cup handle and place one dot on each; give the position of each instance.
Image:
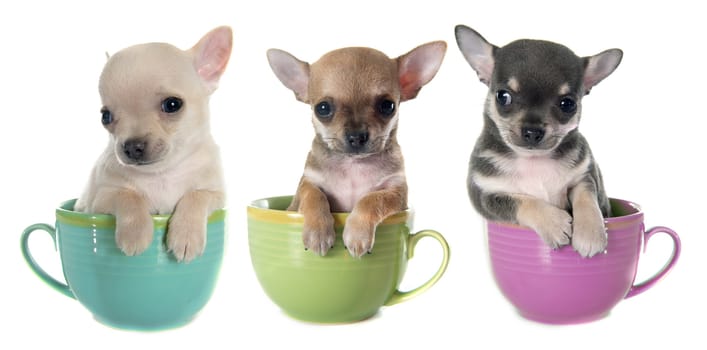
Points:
(398, 296)
(58, 286)
(645, 285)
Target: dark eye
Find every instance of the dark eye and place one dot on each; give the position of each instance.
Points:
(106, 116)
(503, 97)
(567, 105)
(324, 110)
(386, 107)
(172, 105)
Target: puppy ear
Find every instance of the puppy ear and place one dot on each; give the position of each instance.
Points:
(599, 66)
(211, 55)
(477, 51)
(417, 67)
(293, 73)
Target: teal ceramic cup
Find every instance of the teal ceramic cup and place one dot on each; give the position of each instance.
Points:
(335, 288)
(150, 291)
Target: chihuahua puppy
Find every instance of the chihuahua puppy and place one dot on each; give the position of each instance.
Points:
(355, 164)
(161, 157)
(531, 166)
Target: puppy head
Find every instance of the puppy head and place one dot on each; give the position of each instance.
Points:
(535, 87)
(355, 92)
(155, 98)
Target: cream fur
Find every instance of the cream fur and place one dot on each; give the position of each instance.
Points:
(181, 173)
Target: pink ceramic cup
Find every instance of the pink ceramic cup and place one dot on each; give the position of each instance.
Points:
(561, 287)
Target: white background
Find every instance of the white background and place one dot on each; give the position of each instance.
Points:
(644, 123)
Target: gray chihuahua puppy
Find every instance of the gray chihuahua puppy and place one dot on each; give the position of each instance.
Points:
(530, 165)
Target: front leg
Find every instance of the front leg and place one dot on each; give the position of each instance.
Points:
(318, 233)
(359, 231)
(589, 233)
(134, 225)
(552, 224)
(186, 231)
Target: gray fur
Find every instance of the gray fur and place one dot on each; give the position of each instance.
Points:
(540, 79)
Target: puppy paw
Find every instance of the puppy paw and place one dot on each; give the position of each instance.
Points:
(589, 234)
(554, 226)
(358, 236)
(186, 236)
(133, 233)
(318, 234)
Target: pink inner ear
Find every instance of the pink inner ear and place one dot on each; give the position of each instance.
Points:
(418, 67)
(212, 64)
(292, 72)
(409, 85)
(212, 54)
(600, 66)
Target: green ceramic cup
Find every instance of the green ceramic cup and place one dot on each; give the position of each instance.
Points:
(150, 291)
(335, 288)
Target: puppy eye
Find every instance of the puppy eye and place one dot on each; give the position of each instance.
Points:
(106, 116)
(386, 107)
(567, 105)
(503, 97)
(171, 105)
(324, 110)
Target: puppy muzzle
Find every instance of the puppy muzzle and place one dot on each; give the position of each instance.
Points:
(135, 150)
(140, 151)
(532, 136)
(357, 141)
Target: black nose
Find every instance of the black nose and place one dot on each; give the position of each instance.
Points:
(135, 149)
(357, 139)
(532, 135)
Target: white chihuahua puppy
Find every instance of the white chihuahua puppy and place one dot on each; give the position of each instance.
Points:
(161, 158)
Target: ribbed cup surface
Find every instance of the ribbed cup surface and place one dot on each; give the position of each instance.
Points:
(148, 291)
(332, 288)
(560, 286)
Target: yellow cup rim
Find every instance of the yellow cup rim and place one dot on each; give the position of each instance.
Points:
(259, 210)
(65, 214)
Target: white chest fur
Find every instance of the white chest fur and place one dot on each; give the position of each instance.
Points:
(540, 177)
(164, 191)
(347, 181)
(162, 186)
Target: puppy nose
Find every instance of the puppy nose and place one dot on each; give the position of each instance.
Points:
(532, 135)
(357, 139)
(135, 149)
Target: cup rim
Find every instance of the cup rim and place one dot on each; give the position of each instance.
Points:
(257, 209)
(66, 214)
(612, 221)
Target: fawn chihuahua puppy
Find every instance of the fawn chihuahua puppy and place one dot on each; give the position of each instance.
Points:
(161, 158)
(531, 166)
(355, 164)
